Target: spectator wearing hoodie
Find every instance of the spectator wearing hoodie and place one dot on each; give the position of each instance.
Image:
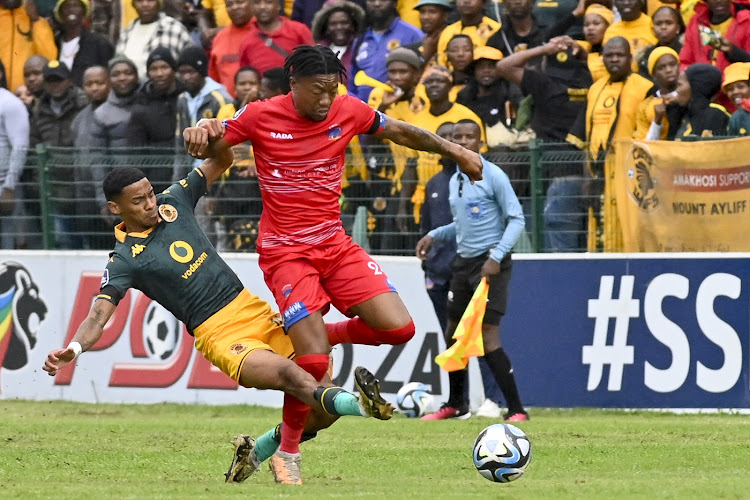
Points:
(203, 98)
(691, 112)
(111, 120)
(153, 121)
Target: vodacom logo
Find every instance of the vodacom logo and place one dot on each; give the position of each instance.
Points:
(181, 251)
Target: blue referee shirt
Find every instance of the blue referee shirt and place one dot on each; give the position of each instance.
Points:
(486, 214)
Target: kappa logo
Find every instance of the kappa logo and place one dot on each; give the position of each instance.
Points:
(281, 135)
(105, 279)
(137, 249)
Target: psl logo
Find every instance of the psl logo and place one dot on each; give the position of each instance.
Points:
(22, 311)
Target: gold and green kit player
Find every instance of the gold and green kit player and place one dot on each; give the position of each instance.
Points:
(176, 265)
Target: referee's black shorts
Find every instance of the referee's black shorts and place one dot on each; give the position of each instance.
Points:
(466, 275)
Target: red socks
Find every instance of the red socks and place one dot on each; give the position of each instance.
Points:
(356, 331)
(295, 412)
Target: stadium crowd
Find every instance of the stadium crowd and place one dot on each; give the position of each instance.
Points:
(116, 81)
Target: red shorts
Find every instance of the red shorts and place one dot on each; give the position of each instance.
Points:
(307, 279)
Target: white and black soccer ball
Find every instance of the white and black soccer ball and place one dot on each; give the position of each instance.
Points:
(414, 399)
(161, 331)
(502, 452)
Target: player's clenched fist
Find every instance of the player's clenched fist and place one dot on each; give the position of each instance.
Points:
(470, 163)
(196, 141)
(57, 359)
(213, 126)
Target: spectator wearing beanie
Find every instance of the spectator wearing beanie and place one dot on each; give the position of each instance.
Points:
(664, 70)
(79, 48)
(691, 112)
(152, 29)
(203, 97)
(154, 118)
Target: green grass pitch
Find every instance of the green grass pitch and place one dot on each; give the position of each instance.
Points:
(67, 450)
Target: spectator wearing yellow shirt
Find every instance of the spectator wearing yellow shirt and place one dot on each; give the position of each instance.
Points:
(668, 26)
(402, 103)
(473, 22)
(438, 82)
(635, 26)
(664, 69)
(595, 23)
(611, 107)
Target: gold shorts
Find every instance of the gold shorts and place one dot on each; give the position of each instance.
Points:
(239, 328)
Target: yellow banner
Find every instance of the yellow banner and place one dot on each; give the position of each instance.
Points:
(684, 196)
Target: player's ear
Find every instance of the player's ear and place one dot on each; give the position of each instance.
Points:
(113, 207)
(293, 83)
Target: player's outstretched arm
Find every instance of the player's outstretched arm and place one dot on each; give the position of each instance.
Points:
(89, 332)
(205, 141)
(418, 138)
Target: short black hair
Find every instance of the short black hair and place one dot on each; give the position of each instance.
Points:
(277, 80)
(244, 69)
(311, 60)
(120, 178)
(467, 121)
(675, 13)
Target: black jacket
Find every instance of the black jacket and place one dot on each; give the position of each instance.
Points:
(154, 118)
(94, 50)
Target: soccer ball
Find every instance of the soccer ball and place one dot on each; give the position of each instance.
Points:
(502, 452)
(160, 331)
(414, 399)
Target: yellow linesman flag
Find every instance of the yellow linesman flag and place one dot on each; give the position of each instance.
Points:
(468, 334)
(684, 196)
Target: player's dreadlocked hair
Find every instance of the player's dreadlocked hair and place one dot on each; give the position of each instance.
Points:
(309, 60)
(120, 178)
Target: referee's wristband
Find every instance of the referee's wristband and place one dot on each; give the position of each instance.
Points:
(77, 349)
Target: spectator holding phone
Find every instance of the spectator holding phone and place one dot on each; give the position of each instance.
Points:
(718, 34)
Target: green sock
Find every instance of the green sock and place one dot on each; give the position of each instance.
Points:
(337, 401)
(266, 445)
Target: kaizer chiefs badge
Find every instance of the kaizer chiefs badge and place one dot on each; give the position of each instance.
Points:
(168, 213)
(393, 44)
(641, 182)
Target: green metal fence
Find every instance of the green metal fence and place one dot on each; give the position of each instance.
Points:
(61, 204)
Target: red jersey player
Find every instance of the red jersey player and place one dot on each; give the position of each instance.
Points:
(307, 259)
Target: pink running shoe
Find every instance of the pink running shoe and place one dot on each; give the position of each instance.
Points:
(446, 412)
(518, 417)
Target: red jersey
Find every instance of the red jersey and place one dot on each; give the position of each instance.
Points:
(256, 50)
(300, 164)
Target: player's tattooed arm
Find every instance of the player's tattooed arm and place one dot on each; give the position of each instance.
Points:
(418, 138)
(89, 332)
